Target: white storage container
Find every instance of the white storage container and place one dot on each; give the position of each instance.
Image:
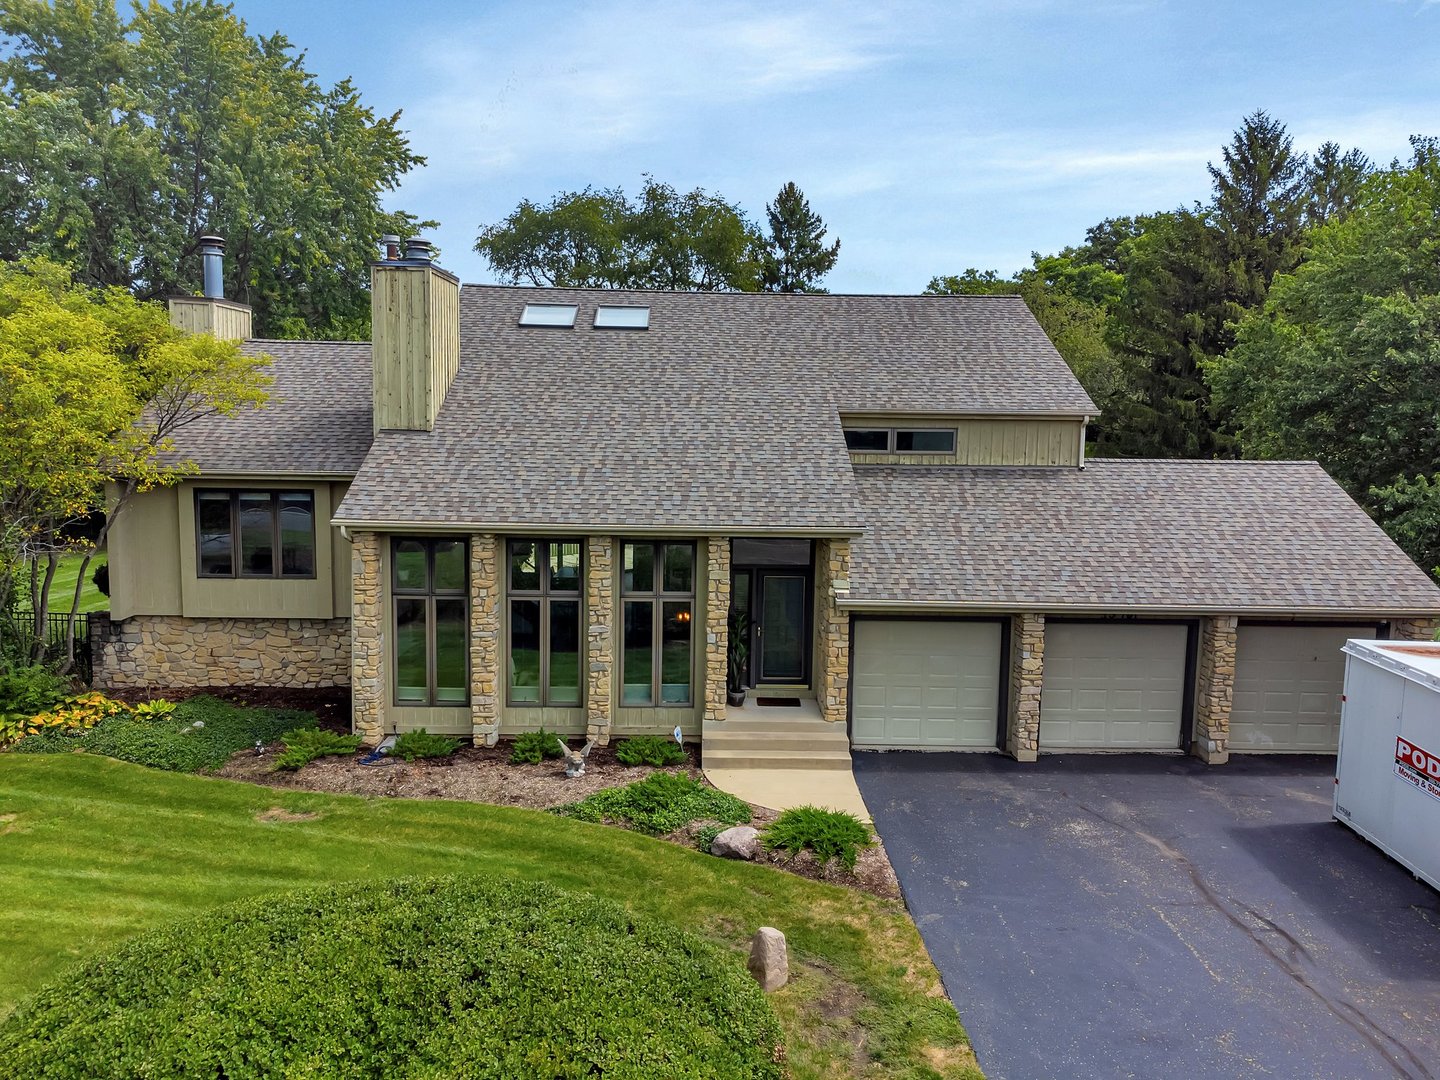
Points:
(1387, 783)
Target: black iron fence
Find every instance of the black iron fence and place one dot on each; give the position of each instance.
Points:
(19, 626)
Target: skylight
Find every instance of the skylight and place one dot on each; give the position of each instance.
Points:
(548, 315)
(613, 317)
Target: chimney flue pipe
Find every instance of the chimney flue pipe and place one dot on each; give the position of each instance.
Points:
(212, 256)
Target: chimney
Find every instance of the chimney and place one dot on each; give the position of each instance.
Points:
(211, 313)
(414, 335)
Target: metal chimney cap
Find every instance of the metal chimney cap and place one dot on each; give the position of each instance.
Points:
(211, 242)
(418, 250)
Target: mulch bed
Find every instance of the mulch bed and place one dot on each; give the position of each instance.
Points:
(330, 704)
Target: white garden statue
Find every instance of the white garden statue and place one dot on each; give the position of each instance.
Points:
(575, 759)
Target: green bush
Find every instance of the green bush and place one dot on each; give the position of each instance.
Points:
(304, 745)
(462, 976)
(830, 834)
(419, 743)
(661, 803)
(174, 742)
(29, 690)
(705, 836)
(533, 747)
(650, 750)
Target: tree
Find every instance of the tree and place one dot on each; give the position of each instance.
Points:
(797, 258)
(1335, 182)
(601, 239)
(1343, 362)
(122, 140)
(93, 386)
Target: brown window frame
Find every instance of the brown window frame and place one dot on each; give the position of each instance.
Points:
(892, 437)
(278, 555)
(658, 596)
(429, 594)
(545, 595)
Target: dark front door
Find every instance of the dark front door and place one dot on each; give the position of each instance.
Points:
(782, 626)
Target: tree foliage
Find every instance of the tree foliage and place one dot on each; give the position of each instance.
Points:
(93, 386)
(123, 139)
(796, 257)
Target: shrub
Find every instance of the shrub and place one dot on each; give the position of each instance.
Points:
(650, 750)
(175, 742)
(304, 745)
(70, 717)
(463, 976)
(421, 744)
(533, 747)
(101, 579)
(30, 690)
(661, 803)
(705, 836)
(830, 834)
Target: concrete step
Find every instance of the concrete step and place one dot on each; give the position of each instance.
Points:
(765, 723)
(775, 740)
(775, 759)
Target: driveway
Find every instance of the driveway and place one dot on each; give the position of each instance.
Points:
(1148, 916)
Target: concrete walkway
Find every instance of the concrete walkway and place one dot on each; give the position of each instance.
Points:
(780, 789)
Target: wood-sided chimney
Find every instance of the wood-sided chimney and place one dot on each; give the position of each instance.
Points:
(211, 313)
(414, 335)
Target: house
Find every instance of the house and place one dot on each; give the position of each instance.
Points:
(520, 507)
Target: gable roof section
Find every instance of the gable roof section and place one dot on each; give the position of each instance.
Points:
(1217, 536)
(317, 422)
(723, 415)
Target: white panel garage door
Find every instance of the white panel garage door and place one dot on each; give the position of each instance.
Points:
(1112, 686)
(925, 684)
(1288, 682)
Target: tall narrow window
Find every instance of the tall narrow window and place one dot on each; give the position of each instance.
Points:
(657, 594)
(432, 655)
(264, 534)
(546, 577)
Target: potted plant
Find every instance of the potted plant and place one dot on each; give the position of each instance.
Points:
(738, 659)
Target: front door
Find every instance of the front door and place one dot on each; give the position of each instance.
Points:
(782, 629)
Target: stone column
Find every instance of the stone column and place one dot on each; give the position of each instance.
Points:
(485, 669)
(1422, 629)
(1027, 674)
(1214, 689)
(367, 639)
(832, 584)
(717, 626)
(600, 637)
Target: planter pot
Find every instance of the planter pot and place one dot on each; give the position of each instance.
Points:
(736, 698)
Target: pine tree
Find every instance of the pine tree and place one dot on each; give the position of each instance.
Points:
(798, 258)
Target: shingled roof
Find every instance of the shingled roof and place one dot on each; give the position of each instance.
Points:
(724, 414)
(317, 421)
(1271, 536)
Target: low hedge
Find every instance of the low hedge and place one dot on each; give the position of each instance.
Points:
(420, 977)
(661, 803)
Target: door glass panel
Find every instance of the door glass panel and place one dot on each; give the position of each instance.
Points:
(525, 650)
(297, 534)
(257, 535)
(564, 652)
(564, 567)
(410, 565)
(679, 572)
(639, 654)
(450, 651)
(213, 512)
(675, 653)
(410, 680)
(449, 565)
(639, 568)
(524, 566)
(782, 617)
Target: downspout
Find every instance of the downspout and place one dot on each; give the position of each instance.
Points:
(1084, 423)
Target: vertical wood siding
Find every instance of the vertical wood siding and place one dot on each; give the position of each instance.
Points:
(415, 327)
(1048, 441)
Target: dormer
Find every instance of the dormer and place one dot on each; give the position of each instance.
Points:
(933, 439)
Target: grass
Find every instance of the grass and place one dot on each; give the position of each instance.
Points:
(93, 850)
(62, 589)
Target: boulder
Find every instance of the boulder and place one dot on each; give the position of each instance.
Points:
(769, 960)
(737, 843)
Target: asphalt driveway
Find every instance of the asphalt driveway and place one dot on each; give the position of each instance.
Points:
(1148, 916)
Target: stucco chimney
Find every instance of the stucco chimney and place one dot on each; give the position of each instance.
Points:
(414, 335)
(211, 313)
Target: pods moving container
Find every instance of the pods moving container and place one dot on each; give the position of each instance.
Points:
(1387, 785)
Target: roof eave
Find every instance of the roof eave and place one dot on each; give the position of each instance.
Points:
(551, 528)
(941, 607)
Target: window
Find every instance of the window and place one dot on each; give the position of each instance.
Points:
(900, 440)
(255, 534)
(562, 315)
(657, 592)
(545, 634)
(622, 318)
(432, 623)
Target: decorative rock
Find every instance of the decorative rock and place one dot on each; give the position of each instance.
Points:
(737, 843)
(769, 959)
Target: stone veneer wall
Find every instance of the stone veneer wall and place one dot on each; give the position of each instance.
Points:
(161, 651)
(485, 638)
(368, 663)
(1414, 629)
(832, 627)
(599, 637)
(717, 626)
(1027, 672)
(1214, 689)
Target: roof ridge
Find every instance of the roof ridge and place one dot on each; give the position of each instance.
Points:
(303, 341)
(1202, 461)
(737, 292)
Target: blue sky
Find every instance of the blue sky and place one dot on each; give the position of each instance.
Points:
(930, 136)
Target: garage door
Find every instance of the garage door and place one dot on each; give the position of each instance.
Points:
(1288, 682)
(1112, 686)
(925, 684)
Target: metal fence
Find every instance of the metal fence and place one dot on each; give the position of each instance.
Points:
(20, 623)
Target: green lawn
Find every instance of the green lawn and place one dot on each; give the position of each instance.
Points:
(62, 589)
(92, 850)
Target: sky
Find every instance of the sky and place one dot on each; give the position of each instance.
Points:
(931, 137)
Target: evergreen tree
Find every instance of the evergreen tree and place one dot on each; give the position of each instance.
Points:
(797, 257)
(1335, 181)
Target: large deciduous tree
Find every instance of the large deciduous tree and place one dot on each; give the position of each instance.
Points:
(93, 386)
(797, 257)
(123, 139)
